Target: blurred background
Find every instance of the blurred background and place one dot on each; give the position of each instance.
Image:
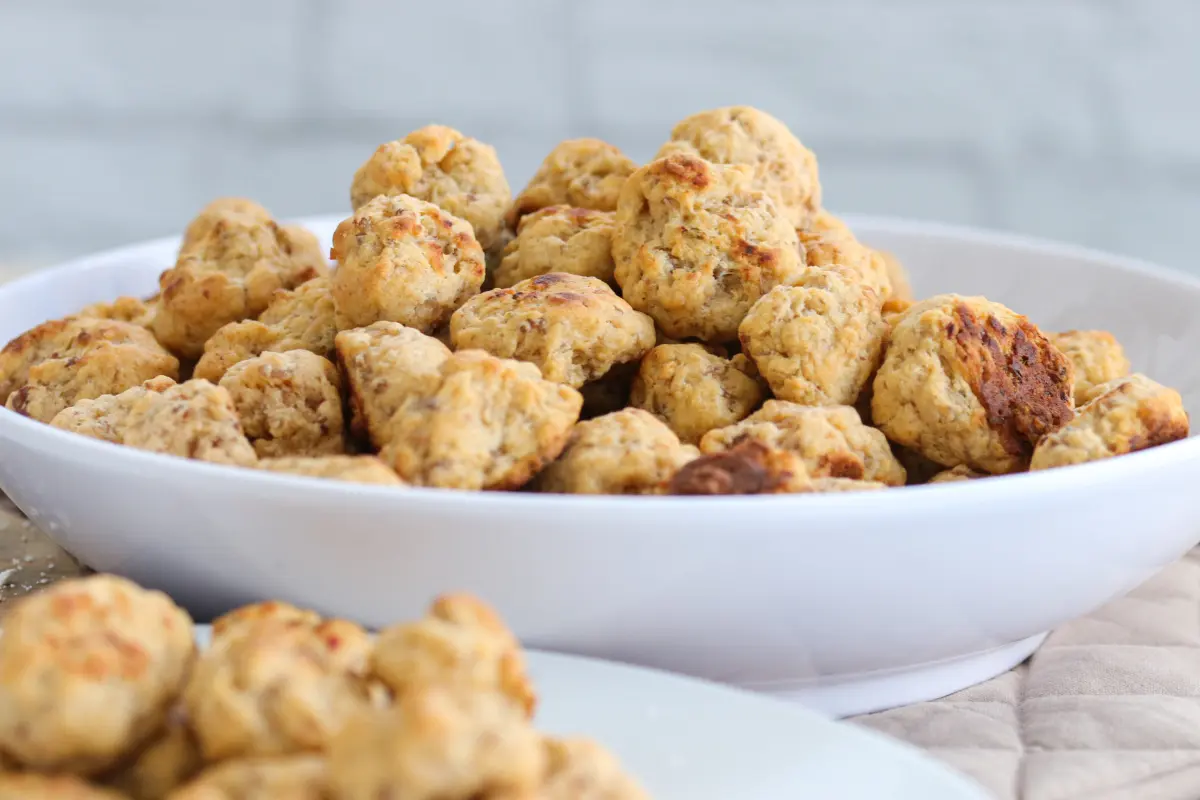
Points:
(1074, 119)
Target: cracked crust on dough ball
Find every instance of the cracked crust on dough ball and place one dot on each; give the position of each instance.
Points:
(290, 404)
(277, 686)
(59, 383)
(626, 452)
(695, 246)
(88, 671)
(1123, 416)
(832, 440)
(403, 260)
(819, 341)
(65, 338)
(489, 423)
(574, 329)
(968, 381)
(384, 364)
(462, 643)
(355, 469)
(956, 474)
(441, 166)
(1097, 357)
(230, 274)
(559, 239)
(584, 173)
(299, 319)
(782, 167)
(694, 391)
(438, 742)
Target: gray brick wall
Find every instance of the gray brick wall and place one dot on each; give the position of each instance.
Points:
(1076, 119)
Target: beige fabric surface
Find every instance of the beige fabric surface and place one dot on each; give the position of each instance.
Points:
(1107, 709)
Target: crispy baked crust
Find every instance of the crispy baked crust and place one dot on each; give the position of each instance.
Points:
(574, 329)
(1096, 356)
(438, 164)
(489, 423)
(695, 246)
(559, 239)
(383, 364)
(460, 643)
(405, 260)
(967, 381)
(626, 452)
(748, 467)
(438, 742)
(782, 167)
(832, 440)
(584, 173)
(694, 391)
(88, 670)
(289, 404)
(1123, 416)
(819, 341)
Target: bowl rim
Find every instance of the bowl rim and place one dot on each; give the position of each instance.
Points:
(944, 498)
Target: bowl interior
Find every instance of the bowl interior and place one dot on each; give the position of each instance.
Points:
(1151, 310)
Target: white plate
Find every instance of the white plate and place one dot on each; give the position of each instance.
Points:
(689, 740)
(848, 602)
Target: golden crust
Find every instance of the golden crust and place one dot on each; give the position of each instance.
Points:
(193, 420)
(290, 404)
(967, 381)
(228, 275)
(107, 417)
(441, 166)
(490, 423)
(956, 474)
(88, 671)
(297, 777)
(828, 249)
(574, 329)
(460, 643)
(124, 309)
(221, 208)
(438, 743)
(31, 786)
(277, 687)
(832, 440)
(694, 391)
(64, 338)
(1097, 357)
(695, 246)
(299, 319)
(626, 452)
(581, 769)
(165, 762)
(782, 167)
(267, 611)
(355, 469)
(384, 364)
(59, 383)
(819, 341)
(584, 173)
(1123, 416)
(404, 260)
(559, 239)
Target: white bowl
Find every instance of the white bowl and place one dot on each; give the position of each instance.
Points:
(848, 602)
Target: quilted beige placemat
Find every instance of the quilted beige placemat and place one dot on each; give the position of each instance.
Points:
(1107, 709)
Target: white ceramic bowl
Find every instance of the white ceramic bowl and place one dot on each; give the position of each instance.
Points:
(849, 602)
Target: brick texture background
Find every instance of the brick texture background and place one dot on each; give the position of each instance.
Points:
(1075, 119)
